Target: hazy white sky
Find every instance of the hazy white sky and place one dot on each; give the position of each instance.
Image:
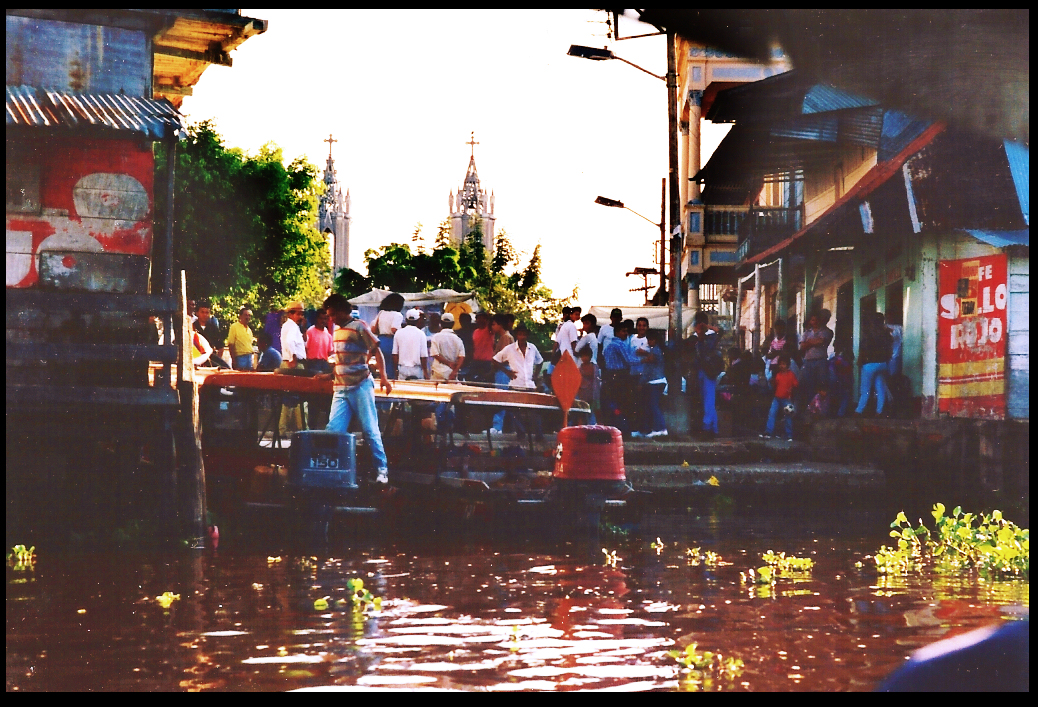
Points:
(401, 90)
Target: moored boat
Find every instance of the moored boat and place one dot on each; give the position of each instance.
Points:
(444, 459)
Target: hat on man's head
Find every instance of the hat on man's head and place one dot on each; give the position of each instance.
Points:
(447, 318)
(414, 314)
(294, 307)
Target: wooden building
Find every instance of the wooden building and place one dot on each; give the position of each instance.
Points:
(854, 207)
(91, 103)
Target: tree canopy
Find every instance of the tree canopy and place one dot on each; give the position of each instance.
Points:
(244, 226)
(499, 281)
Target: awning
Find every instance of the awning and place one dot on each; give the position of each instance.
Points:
(414, 299)
(1003, 239)
(659, 317)
(104, 113)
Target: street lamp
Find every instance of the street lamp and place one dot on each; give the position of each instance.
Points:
(595, 54)
(606, 201)
(603, 55)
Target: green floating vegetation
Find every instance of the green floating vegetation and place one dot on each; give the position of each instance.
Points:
(695, 557)
(987, 543)
(22, 558)
(703, 669)
(358, 599)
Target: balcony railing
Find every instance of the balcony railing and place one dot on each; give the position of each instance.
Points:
(723, 220)
(765, 227)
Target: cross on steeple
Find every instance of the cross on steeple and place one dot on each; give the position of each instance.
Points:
(473, 143)
(330, 140)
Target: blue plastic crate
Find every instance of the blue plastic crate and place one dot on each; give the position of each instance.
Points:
(321, 459)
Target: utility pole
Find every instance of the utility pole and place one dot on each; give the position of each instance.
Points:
(676, 240)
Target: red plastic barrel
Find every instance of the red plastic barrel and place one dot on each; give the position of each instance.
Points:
(590, 452)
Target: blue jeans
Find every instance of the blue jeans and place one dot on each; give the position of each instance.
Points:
(776, 407)
(813, 374)
(385, 342)
(360, 401)
(243, 363)
(500, 378)
(654, 414)
(708, 389)
(873, 377)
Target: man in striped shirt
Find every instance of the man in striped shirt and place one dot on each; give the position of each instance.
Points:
(353, 388)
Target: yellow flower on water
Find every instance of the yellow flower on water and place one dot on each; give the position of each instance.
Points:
(684, 465)
(167, 599)
(713, 481)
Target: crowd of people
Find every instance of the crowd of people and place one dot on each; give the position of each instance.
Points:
(621, 364)
(793, 379)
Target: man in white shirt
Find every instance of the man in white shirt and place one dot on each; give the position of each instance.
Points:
(567, 336)
(607, 332)
(293, 348)
(446, 350)
(293, 355)
(410, 350)
(522, 358)
(589, 339)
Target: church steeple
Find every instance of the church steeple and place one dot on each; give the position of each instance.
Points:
(333, 216)
(470, 203)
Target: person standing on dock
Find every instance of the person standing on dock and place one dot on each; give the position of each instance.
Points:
(411, 350)
(353, 388)
(446, 351)
(240, 340)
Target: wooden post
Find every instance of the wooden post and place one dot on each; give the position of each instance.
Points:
(191, 498)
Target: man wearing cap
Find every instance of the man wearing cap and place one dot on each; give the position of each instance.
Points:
(446, 350)
(410, 349)
(293, 347)
(293, 355)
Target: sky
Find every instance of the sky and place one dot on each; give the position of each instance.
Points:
(402, 91)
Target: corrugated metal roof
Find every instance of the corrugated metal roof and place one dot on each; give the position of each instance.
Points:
(1019, 156)
(822, 98)
(39, 108)
(1003, 239)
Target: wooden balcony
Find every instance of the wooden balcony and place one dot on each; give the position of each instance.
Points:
(765, 227)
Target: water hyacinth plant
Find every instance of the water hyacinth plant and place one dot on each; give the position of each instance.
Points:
(987, 543)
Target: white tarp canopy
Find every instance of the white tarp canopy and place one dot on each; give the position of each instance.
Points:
(435, 301)
(659, 317)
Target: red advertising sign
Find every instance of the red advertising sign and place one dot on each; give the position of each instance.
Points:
(971, 346)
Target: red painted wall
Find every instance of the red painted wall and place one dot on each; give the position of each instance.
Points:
(64, 163)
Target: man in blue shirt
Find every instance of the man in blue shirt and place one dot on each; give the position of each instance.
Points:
(618, 358)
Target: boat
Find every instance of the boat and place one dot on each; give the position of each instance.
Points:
(445, 464)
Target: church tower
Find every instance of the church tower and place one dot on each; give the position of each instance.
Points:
(472, 203)
(333, 215)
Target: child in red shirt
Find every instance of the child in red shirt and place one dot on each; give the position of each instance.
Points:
(784, 381)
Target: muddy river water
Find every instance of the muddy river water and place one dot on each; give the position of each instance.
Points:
(505, 614)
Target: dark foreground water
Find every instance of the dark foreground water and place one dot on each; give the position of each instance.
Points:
(493, 615)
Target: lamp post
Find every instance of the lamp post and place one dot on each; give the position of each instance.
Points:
(676, 241)
(606, 201)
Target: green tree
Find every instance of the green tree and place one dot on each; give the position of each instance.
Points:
(244, 226)
(349, 283)
(500, 282)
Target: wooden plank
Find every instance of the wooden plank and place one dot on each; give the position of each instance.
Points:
(88, 302)
(72, 353)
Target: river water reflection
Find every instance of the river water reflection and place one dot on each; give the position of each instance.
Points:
(491, 616)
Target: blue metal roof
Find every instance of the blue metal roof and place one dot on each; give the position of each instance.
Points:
(1020, 166)
(899, 129)
(1003, 239)
(821, 98)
